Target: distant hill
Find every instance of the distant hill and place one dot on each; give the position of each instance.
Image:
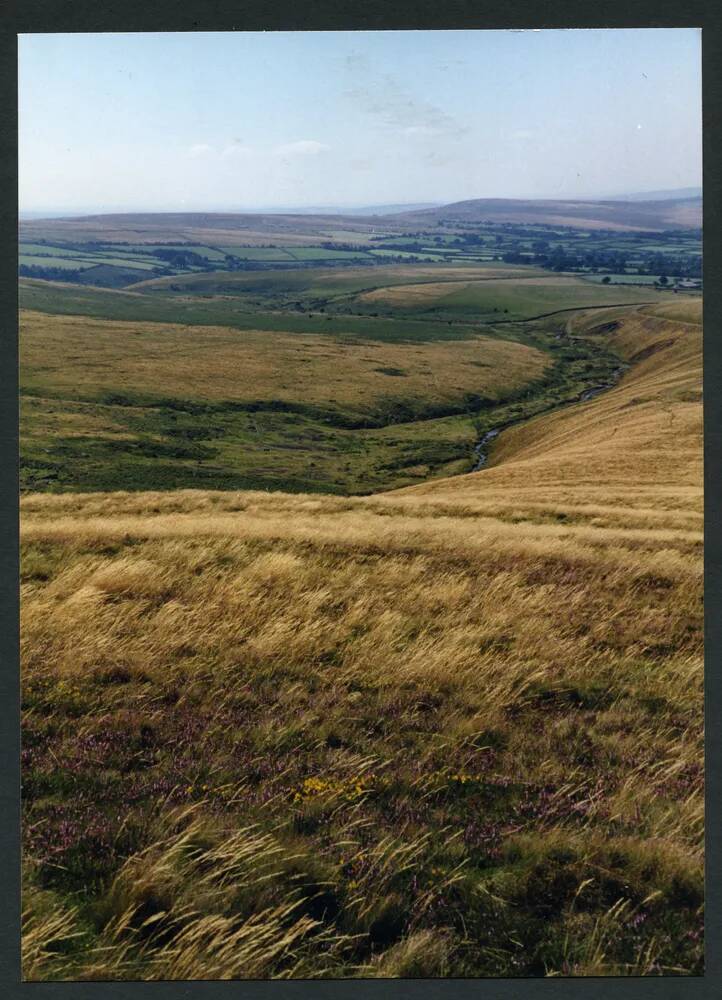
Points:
(231, 228)
(340, 210)
(653, 216)
(673, 194)
(389, 209)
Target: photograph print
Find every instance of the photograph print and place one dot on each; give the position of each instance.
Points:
(361, 504)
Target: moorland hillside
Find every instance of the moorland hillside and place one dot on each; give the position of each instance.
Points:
(653, 216)
(450, 730)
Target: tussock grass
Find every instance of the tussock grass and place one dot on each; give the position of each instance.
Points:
(454, 730)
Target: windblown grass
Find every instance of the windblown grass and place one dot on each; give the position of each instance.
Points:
(454, 730)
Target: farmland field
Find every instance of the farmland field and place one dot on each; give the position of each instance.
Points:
(625, 279)
(259, 253)
(182, 243)
(515, 298)
(67, 263)
(319, 253)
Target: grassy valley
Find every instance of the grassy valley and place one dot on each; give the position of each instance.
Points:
(448, 730)
(340, 381)
(403, 529)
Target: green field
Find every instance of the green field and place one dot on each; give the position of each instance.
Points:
(492, 299)
(259, 253)
(624, 279)
(67, 263)
(144, 249)
(353, 236)
(146, 264)
(320, 253)
(45, 249)
(138, 256)
(407, 254)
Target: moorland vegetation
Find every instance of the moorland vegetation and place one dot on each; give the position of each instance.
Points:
(448, 730)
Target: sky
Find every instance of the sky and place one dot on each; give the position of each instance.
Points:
(263, 120)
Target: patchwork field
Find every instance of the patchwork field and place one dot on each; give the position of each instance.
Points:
(657, 243)
(451, 730)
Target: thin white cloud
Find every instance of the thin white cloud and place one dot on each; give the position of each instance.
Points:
(395, 108)
(199, 149)
(237, 148)
(303, 147)
(422, 131)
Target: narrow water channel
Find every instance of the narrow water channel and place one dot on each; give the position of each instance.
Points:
(481, 447)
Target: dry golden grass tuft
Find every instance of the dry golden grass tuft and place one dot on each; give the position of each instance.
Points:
(451, 730)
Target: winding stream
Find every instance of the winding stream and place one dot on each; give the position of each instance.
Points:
(481, 450)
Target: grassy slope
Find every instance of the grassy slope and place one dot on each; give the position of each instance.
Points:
(323, 280)
(72, 355)
(107, 403)
(56, 298)
(271, 396)
(638, 438)
(457, 728)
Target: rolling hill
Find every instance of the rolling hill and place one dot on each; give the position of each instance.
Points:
(313, 229)
(652, 216)
(450, 730)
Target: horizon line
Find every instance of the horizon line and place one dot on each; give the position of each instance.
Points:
(78, 211)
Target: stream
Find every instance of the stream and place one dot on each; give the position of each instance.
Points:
(481, 450)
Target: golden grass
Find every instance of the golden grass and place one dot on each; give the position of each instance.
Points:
(640, 442)
(410, 295)
(342, 279)
(77, 353)
(686, 309)
(519, 647)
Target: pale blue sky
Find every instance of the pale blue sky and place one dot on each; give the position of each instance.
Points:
(114, 122)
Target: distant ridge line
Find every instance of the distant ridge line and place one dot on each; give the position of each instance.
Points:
(630, 214)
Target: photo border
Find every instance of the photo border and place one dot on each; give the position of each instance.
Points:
(224, 15)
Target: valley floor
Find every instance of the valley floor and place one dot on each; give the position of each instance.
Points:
(451, 730)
